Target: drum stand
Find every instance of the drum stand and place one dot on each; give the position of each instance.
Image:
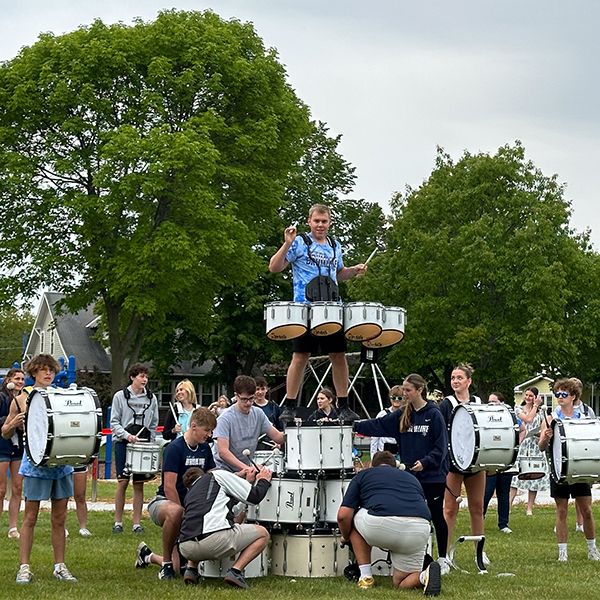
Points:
(480, 539)
(368, 356)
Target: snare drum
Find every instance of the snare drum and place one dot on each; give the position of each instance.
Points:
(575, 451)
(331, 494)
(308, 555)
(258, 567)
(326, 318)
(286, 320)
(483, 437)
(288, 501)
(142, 458)
(531, 468)
(393, 321)
(273, 462)
(318, 447)
(362, 320)
(62, 426)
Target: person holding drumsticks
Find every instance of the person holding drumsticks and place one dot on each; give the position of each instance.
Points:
(44, 483)
(566, 392)
(317, 266)
(178, 417)
(12, 415)
(460, 381)
(133, 418)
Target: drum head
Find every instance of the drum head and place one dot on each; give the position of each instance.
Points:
(557, 453)
(462, 438)
(36, 427)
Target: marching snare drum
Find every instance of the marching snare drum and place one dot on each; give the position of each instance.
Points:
(286, 320)
(308, 555)
(483, 437)
(331, 494)
(62, 426)
(142, 458)
(272, 461)
(258, 567)
(362, 320)
(318, 447)
(575, 451)
(393, 322)
(531, 468)
(325, 318)
(288, 501)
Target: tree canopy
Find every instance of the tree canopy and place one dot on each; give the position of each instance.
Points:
(138, 166)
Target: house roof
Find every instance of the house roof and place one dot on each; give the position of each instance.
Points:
(530, 382)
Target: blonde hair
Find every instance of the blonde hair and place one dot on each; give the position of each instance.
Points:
(188, 386)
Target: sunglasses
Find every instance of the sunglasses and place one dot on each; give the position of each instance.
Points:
(561, 394)
(396, 398)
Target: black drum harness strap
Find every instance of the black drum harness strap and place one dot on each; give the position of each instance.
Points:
(322, 287)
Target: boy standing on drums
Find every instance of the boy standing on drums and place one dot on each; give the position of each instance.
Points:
(133, 418)
(44, 483)
(317, 266)
(240, 426)
(386, 507)
(166, 508)
(566, 392)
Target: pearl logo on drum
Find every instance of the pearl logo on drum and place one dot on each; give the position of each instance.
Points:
(495, 419)
(74, 424)
(71, 402)
(290, 501)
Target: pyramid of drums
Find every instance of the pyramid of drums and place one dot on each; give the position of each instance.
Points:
(300, 508)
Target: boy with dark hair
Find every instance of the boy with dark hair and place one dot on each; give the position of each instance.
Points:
(271, 409)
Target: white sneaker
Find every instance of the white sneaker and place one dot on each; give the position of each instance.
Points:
(63, 574)
(486, 560)
(85, 532)
(578, 527)
(444, 565)
(24, 575)
(563, 556)
(506, 530)
(593, 553)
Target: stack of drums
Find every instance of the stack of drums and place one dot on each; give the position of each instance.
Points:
(300, 508)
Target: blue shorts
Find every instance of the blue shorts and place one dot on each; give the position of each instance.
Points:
(36, 488)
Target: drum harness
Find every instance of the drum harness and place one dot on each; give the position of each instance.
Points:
(323, 287)
(135, 427)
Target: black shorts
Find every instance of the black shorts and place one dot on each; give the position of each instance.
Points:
(569, 490)
(320, 344)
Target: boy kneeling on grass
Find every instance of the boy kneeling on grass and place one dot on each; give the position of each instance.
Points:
(44, 483)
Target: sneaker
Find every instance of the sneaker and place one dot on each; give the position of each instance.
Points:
(63, 574)
(486, 560)
(506, 530)
(190, 576)
(13, 533)
(366, 582)
(578, 527)
(563, 556)
(85, 532)
(66, 533)
(444, 565)
(236, 579)
(593, 553)
(143, 553)
(137, 528)
(167, 572)
(347, 415)
(24, 575)
(117, 528)
(432, 582)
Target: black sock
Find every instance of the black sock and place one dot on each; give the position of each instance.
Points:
(236, 571)
(342, 402)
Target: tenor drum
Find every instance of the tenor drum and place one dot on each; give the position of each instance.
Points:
(575, 451)
(531, 468)
(62, 426)
(258, 567)
(142, 458)
(286, 320)
(318, 447)
(483, 437)
(363, 320)
(308, 555)
(273, 462)
(326, 318)
(288, 502)
(331, 494)
(393, 322)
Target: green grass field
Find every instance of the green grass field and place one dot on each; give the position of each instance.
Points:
(104, 566)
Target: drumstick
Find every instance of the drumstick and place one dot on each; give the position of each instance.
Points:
(371, 256)
(274, 452)
(173, 411)
(246, 452)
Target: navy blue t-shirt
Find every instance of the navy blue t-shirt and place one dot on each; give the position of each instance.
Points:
(387, 492)
(179, 457)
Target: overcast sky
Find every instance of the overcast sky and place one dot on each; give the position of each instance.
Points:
(397, 78)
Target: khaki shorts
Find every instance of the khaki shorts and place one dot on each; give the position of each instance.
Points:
(405, 537)
(154, 509)
(220, 543)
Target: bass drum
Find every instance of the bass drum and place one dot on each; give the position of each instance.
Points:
(575, 454)
(483, 437)
(62, 426)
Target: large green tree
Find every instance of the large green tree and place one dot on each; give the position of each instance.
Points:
(15, 325)
(138, 166)
(482, 257)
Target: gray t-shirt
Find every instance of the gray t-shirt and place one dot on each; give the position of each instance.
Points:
(242, 431)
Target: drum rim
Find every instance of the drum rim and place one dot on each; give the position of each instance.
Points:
(50, 433)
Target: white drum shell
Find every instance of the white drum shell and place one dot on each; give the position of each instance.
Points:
(331, 494)
(326, 318)
(532, 468)
(286, 320)
(290, 501)
(142, 458)
(258, 567)
(362, 320)
(576, 451)
(316, 448)
(62, 426)
(308, 555)
(273, 462)
(393, 323)
(483, 437)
